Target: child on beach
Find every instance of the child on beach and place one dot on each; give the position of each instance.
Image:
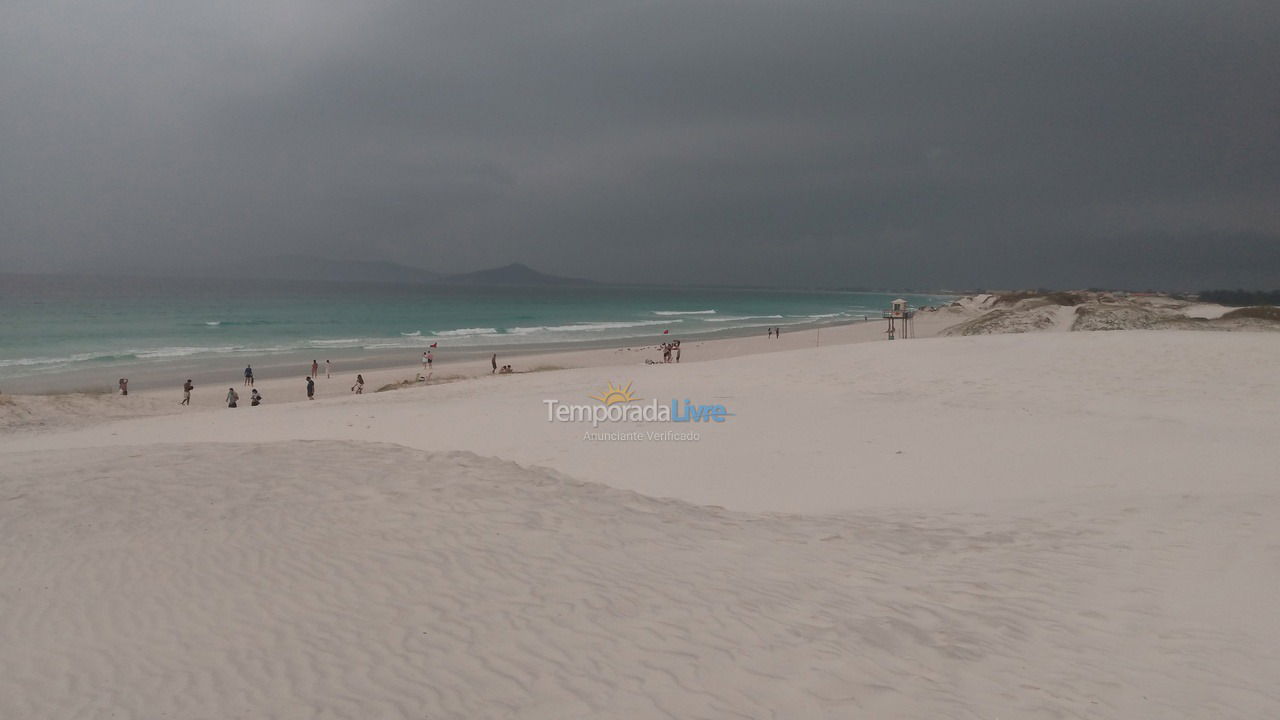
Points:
(358, 388)
(248, 375)
(315, 369)
(255, 399)
(430, 357)
(328, 369)
(311, 388)
(123, 384)
(187, 387)
(232, 397)
(493, 361)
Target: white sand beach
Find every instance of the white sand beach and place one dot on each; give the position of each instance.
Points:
(1039, 525)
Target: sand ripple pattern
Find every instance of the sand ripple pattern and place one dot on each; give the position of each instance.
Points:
(351, 580)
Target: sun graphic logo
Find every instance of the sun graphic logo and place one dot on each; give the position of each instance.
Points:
(615, 394)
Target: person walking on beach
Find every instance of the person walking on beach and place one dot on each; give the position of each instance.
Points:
(493, 362)
(328, 369)
(424, 362)
(248, 376)
(187, 387)
(232, 397)
(430, 357)
(254, 398)
(123, 384)
(771, 332)
(777, 333)
(311, 388)
(677, 351)
(315, 369)
(358, 388)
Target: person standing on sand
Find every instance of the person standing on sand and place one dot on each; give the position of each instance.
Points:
(358, 388)
(248, 376)
(123, 384)
(232, 397)
(315, 369)
(493, 361)
(254, 398)
(311, 388)
(328, 369)
(677, 351)
(770, 332)
(430, 357)
(187, 387)
(424, 362)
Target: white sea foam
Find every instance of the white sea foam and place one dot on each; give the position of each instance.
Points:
(684, 312)
(588, 327)
(462, 332)
(745, 317)
(29, 362)
(415, 333)
(160, 353)
(173, 352)
(213, 323)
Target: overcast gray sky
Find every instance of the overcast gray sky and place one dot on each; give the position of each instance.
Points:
(795, 142)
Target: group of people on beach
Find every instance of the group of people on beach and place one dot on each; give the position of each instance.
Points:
(256, 398)
(669, 350)
(775, 332)
(233, 397)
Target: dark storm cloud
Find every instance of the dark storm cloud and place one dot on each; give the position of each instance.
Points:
(838, 143)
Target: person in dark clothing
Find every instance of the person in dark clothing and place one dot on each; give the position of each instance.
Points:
(311, 388)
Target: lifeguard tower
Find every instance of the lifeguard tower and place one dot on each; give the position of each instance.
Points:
(901, 320)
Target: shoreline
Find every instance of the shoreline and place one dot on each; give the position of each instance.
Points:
(69, 337)
(285, 385)
(147, 376)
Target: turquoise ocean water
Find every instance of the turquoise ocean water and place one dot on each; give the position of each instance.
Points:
(52, 325)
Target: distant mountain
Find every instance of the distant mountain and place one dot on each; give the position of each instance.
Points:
(513, 274)
(308, 267)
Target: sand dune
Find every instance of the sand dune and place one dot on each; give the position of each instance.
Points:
(335, 579)
(1089, 311)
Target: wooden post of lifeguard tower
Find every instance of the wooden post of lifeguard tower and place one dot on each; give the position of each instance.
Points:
(901, 320)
